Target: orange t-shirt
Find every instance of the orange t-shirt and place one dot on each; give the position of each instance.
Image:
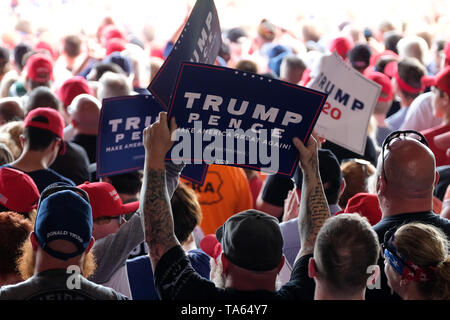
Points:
(225, 192)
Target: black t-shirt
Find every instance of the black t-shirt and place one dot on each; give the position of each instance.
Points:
(89, 143)
(45, 177)
(396, 221)
(175, 279)
(73, 164)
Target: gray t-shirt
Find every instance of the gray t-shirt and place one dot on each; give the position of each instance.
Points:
(58, 284)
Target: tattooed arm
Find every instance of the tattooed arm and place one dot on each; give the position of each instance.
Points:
(313, 204)
(155, 201)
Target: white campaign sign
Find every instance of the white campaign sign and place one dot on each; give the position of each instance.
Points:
(351, 99)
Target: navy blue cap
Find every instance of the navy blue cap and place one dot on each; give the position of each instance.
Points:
(64, 215)
(121, 60)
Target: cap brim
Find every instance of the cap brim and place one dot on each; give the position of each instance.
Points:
(219, 233)
(428, 81)
(130, 207)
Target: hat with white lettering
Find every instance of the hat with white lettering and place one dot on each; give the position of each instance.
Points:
(252, 240)
(64, 213)
(105, 200)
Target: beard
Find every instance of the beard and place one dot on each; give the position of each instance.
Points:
(27, 262)
(216, 274)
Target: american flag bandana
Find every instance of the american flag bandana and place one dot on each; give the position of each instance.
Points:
(406, 268)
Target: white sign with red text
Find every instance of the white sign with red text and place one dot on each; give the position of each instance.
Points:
(349, 106)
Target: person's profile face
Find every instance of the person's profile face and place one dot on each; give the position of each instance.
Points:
(393, 279)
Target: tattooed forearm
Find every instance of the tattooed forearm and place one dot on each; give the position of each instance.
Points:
(159, 232)
(314, 211)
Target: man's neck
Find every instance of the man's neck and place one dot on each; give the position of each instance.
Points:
(46, 262)
(400, 206)
(245, 283)
(322, 293)
(31, 161)
(405, 102)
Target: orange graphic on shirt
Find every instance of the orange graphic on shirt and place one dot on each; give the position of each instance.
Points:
(225, 192)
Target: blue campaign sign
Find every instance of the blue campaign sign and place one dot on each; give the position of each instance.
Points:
(199, 41)
(230, 117)
(195, 173)
(119, 142)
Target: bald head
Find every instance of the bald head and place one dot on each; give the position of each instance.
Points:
(410, 169)
(10, 110)
(85, 112)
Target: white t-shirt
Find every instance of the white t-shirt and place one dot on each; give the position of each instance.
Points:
(420, 114)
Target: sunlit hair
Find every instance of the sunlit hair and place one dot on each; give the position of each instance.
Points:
(427, 246)
(14, 230)
(27, 261)
(356, 173)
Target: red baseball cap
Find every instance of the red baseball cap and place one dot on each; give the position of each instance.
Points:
(111, 31)
(342, 45)
(366, 205)
(105, 201)
(46, 46)
(49, 119)
(441, 80)
(113, 45)
(18, 192)
(71, 88)
(211, 246)
(39, 67)
(385, 83)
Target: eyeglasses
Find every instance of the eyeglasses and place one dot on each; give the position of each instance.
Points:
(397, 135)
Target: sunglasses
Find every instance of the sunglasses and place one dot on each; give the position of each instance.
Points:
(61, 186)
(398, 135)
(390, 253)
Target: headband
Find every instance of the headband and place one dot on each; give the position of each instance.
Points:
(405, 267)
(406, 87)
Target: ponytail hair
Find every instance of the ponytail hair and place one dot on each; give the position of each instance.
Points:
(442, 289)
(427, 247)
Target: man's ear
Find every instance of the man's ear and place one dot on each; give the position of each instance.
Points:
(33, 241)
(280, 266)
(381, 184)
(312, 271)
(343, 185)
(91, 243)
(225, 263)
(22, 140)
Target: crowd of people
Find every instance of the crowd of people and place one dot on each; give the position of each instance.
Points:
(371, 226)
